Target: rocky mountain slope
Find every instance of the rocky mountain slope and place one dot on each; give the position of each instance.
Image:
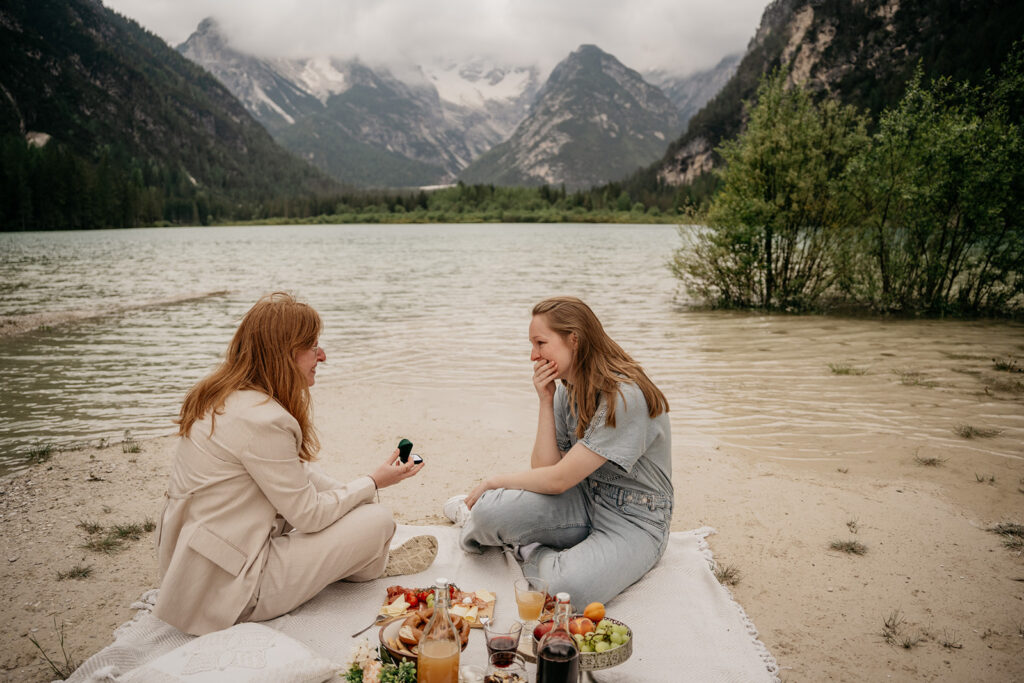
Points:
(595, 120)
(690, 93)
(365, 125)
(133, 131)
(861, 51)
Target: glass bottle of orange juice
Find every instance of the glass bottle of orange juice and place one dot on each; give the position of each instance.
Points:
(438, 659)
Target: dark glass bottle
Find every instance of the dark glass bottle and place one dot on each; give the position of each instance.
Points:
(558, 657)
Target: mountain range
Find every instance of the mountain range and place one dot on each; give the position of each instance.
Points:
(433, 123)
(594, 121)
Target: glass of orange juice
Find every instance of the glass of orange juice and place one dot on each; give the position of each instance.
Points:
(530, 595)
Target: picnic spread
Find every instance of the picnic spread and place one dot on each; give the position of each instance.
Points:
(677, 623)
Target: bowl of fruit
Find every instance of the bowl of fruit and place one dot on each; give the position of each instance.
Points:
(603, 642)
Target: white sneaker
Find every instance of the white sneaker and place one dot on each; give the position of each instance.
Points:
(455, 509)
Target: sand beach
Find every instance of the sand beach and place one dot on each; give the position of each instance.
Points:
(931, 565)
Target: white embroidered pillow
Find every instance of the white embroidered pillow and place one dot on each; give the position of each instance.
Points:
(246, 653)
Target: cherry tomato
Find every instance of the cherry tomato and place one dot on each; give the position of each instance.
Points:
(411, 599)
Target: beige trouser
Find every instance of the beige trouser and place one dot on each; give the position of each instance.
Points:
(299, 566)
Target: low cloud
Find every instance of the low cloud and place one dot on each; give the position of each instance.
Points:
(677, 35)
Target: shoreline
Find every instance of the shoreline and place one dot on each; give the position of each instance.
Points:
(930, 559)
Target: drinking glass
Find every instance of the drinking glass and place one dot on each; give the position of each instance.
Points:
(506, 667)
(502, 636)
(530, 595)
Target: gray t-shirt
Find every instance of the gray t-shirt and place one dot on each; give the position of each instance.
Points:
(638, 448)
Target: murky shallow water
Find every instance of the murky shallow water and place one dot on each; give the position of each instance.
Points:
(134, 317)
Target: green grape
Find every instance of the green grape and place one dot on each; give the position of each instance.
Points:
(620, 629)
(601, 646)
(586, 647)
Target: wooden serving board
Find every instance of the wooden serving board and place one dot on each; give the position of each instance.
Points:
(484, 607)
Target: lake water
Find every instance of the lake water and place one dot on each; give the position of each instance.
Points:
(126, 321)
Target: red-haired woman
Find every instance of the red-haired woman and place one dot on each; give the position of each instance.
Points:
(592, 514)
(250, 530)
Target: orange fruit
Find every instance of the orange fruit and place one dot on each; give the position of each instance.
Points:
(594, 611)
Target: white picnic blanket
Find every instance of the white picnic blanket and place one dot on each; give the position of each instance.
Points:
(686, 626)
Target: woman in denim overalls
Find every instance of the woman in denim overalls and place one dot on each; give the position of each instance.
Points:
(592, 514)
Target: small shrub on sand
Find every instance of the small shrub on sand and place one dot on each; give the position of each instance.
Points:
(928, 461)
(891, 626)
(950, 641)
(1012, 533)
(41, 453)
(1008, 364)
(148, 525)
(79, 571)
(851, 547)
(967, 431)
(989, 479)
(129, 444)
(132, 531)
(852, 526)
(90, 528)
(842, 470)
(727, 575)
(104, 544)
(845, 369)
(60, 669)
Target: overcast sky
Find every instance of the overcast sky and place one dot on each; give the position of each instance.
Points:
(678, 35)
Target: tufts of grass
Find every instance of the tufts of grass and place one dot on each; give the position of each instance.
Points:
(1012, 533)
(1008, 364)
(79, 571)
(148, 525)
(64, 669)
(727, 575)
(950, 641)
(967, 431)
(129, 444)
(132, 531)
(90, 528)
(892, 625)
(846, 369)
(852, 526)
(909, 641)
(929, 461)
(104, 544)
(41, 453)
(851, 547)
(989, 479)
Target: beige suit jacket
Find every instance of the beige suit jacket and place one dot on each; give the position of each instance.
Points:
(227, 491)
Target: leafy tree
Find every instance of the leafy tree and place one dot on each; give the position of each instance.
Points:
(940, 188)
(776, 226)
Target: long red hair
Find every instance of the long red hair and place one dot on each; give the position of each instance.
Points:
(261, 356)
(599, 364)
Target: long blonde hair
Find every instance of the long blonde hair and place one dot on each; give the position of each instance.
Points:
(599, 364)
(261, 356)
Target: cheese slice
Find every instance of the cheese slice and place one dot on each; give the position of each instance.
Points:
(397, 607)
(486, 596)
(471, 615)
(459, 610)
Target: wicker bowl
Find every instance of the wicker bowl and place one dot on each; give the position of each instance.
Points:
(595, 661)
